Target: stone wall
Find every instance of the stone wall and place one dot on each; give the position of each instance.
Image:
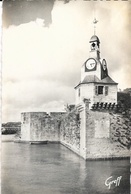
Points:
(90, 134)
(25, 126)
(70, 131)
(40, 126)
(120, 130)
(108, 135)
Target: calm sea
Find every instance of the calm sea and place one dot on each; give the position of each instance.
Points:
(53, 169)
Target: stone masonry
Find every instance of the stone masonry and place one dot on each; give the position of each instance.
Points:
(90, 134)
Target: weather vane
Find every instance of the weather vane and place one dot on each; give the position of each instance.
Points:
(95, 22)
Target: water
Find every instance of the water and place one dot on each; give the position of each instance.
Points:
(53, 169)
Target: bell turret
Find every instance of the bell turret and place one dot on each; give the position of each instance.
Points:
(95, 47)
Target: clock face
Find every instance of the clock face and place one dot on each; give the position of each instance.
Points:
(90, 64)
(104, 64)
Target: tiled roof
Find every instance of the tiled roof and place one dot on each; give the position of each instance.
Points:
(90, 79)
(95, 79)
(108, 80)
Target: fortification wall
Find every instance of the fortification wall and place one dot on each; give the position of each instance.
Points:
(120, 130)
(40, 126)
(91, 134)
(25, 126)
(107, 135)
(70, 131)
(57, 115)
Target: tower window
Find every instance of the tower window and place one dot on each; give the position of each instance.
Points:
(99, 90)
(93, 45)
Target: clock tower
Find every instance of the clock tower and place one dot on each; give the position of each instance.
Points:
(95, 83)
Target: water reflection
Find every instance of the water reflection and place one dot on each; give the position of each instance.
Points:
(53, 169)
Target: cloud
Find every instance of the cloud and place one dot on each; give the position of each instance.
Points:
(18, 12)
(41, 66)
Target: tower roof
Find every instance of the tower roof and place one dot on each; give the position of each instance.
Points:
(94, 38)
(94, 79)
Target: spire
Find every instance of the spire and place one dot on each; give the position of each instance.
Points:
(95, 22)
(95, 43)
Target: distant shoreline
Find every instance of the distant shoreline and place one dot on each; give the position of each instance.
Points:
(7, 137)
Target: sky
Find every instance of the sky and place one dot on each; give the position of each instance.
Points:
(44, 45)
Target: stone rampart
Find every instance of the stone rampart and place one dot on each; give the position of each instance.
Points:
(40, 126)
(120, 130)
(90, 134)
(108, 135)
(70, 131)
